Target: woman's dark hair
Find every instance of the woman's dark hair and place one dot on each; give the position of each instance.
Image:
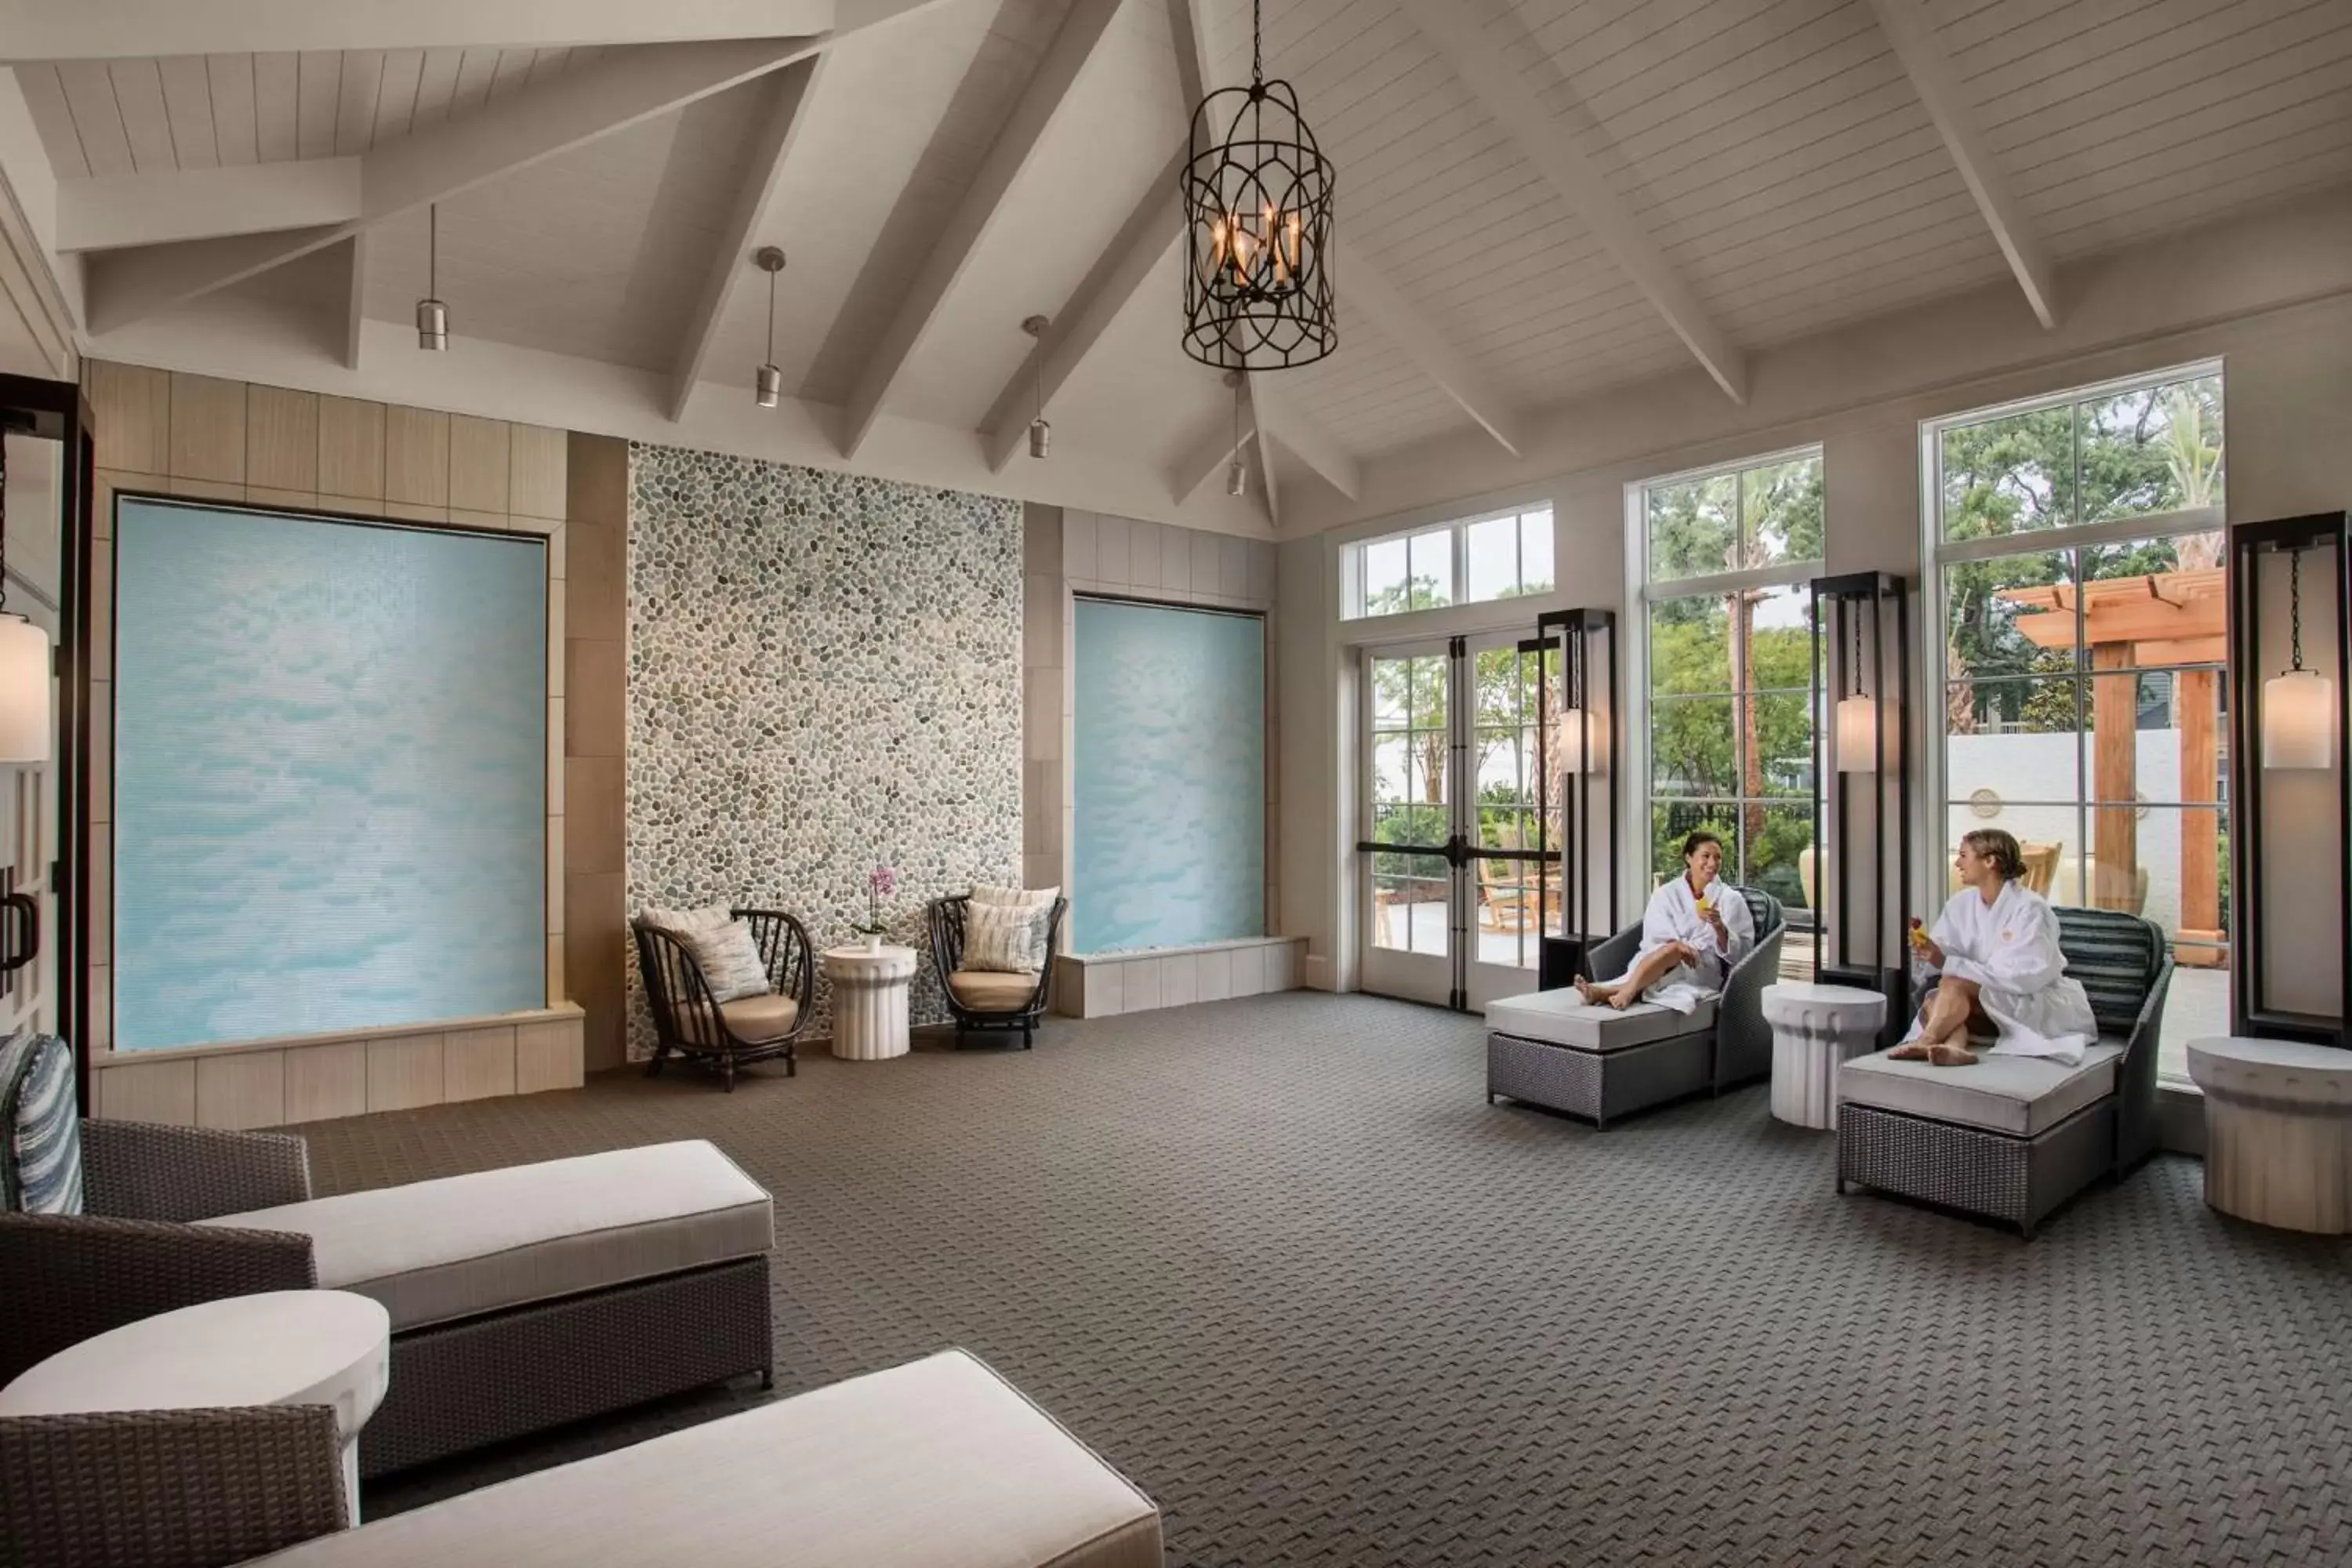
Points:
(1691, 844)
(1999, 848)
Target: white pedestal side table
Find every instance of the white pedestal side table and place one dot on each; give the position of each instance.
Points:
(1816, 1029)
(280, 1347)
(869, 1000)
(2278, 1132)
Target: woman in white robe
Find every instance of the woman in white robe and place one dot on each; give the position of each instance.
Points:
(1690, 937)
(2000, 973)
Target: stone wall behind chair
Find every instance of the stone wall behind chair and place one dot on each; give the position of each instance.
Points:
(824, 669)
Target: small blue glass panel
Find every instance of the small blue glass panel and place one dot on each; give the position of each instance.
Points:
(1168, 759)
(330, 776)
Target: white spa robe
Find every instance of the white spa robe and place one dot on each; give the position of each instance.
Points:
(2009, 949)
(1672, 916)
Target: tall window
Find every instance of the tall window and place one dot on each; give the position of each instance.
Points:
(1504, 556)
(1722, 556)
(2082, 620)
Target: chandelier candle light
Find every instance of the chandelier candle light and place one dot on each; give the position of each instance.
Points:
(1257, 212)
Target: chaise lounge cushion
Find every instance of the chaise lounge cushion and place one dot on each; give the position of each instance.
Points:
(1562, 1019)
(936, 1464)
(2019, 1095)
(463, 1246)
(984, 992)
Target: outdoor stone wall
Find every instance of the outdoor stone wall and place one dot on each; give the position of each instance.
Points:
(825, 673)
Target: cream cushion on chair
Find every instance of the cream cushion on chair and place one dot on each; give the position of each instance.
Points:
(936, 1464)
(463, 1246)
(2020, 1096)
(988, 993)
(1563, 1018)
(766, 1017)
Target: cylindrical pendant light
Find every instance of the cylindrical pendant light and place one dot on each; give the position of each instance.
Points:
(1041, 435)
(25, 723)
(1237, 471)
(432, 315)
(769, 382)
(1571, 740)
(2298, 704)
(1857, 715)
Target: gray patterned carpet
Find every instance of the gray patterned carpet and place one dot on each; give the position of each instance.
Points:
(1279, 1262)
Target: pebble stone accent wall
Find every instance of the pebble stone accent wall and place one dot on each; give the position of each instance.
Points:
(824, 671)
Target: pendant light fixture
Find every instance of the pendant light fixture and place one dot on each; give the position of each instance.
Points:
(432, 315)
(1857, 716)
(2298, 704)
(1237, 471)
(768, 381)
(1041, 435)
(1257, 214)
(24, 664)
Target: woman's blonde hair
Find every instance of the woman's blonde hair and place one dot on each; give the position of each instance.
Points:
(1999, 847)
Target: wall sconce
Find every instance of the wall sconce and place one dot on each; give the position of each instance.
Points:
(1578, 833)
(2298, 704)
(1571, 741)
(24, 727)
(1857, 872)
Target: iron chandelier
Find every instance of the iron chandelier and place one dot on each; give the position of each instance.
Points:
(1257, 214)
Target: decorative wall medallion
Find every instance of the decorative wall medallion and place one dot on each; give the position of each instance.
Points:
(1985, 802)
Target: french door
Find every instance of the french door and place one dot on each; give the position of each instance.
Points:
(1452, 836)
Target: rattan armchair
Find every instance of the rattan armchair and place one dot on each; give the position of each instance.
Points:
(986, 1003)
(724, 1034)
(170, 1488)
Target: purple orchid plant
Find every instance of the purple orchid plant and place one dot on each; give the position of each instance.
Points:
(880, 883)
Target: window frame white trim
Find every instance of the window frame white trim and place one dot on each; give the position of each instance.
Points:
(1457, 527)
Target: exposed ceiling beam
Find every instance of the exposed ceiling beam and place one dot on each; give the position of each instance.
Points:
(1282, 422)
(114, 29)
(781, 118)
(1015, 145)
(111, 211)
(612, 93)
(1209, 454)
(1143, 243)
(1363, 291)
(1912, 32)
(1550, 145)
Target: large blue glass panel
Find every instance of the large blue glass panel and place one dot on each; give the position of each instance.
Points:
(1170, 766)
(330, 775)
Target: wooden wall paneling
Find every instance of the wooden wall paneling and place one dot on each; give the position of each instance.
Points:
(547, 1056)
(149, 1091)
(208, 429)
(478, 458)
(132, 406)
(289, 500)
(328, 1080)
(351, 448)
(281, 433)
(536, 469)
(477, 1064)
(241, 1089)
(206, 489)
(416, 457)
(403, 1071)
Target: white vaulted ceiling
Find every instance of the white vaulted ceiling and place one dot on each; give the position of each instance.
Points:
(1539, 199)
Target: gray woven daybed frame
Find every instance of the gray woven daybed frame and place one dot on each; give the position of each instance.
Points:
(455, 1385)
(2125, 969)
(1601, 1085)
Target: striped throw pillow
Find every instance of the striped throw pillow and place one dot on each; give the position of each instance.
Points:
(723, 948)
(1004, 939)
(40, 1127)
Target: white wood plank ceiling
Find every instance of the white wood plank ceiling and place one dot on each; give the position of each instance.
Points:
(1539, 198)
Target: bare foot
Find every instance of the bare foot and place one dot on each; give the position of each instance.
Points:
(1916, 1051)
(1586, 989)
(1620, 998)
(1950, 1056)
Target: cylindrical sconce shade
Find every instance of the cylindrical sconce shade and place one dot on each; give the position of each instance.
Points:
(1571, 740)
(432, 325)
(25, 727)
(2299, 720)
(771, 381)
(1041, 438)
(1857, 735)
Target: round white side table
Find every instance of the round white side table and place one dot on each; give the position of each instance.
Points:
(281, 1347)
(1815, 1029)
(2278, 1132)
(869, 1000)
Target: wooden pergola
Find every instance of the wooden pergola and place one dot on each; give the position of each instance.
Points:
(2131, 623)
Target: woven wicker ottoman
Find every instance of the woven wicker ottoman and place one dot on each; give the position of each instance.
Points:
(1552, 1049)
(936, 1464)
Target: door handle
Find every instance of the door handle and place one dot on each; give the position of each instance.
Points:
(16, 952)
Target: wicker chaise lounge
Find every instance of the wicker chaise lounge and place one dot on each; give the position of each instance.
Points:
(2012, 1138)
(1551, 1049)
(520, 1298)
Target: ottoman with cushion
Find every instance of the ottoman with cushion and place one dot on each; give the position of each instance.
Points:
(1551, 1049)
(2010, 1138)
(521, 1299)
